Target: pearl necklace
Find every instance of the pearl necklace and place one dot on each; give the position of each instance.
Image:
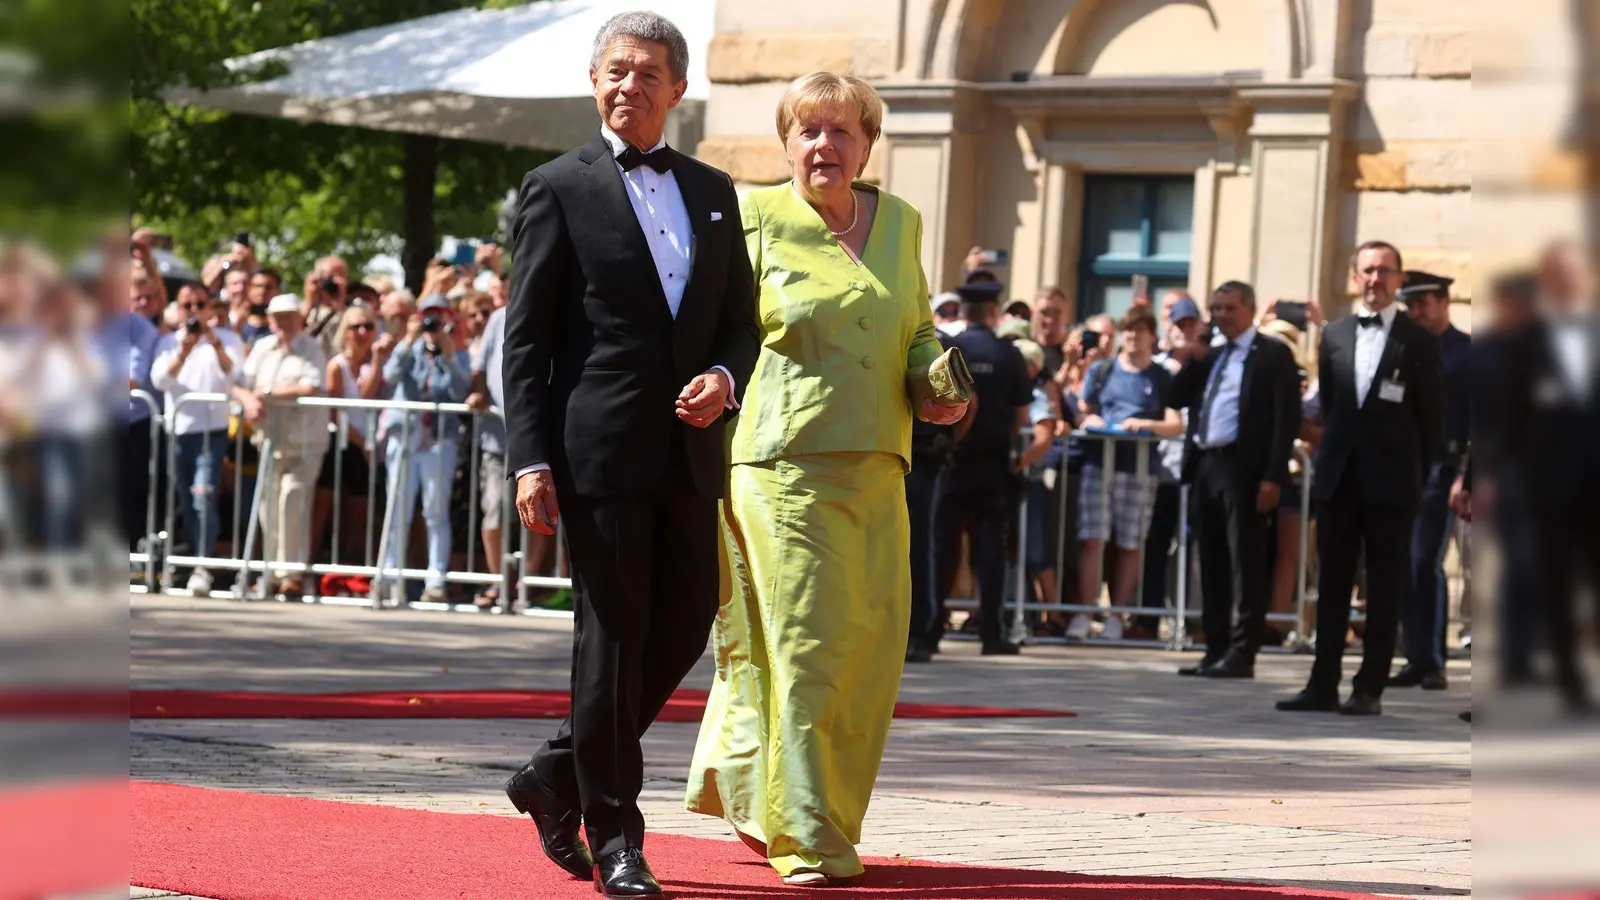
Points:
(855, 215)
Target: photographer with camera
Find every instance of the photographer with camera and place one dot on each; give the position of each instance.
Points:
(426, 365)
(327, 293)
(198, 358)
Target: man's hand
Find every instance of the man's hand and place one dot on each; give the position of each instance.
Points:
(255, 407)
(143, 238)
(536, 502)
(478, 401)
(489, 257)
(413, 329)
(1267, 497)
(702, 400)
(1461, 500)
(383, 345)
(974, 260)
(938, 414)
(1092, 421)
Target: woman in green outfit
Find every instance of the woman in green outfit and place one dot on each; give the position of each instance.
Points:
(810, 636)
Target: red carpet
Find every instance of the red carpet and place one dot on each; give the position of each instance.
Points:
(685, 706)
(237, 846)
(63, 839)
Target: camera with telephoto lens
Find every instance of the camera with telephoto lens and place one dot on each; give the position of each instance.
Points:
(329, 285)
(192, 324)
(430, 324)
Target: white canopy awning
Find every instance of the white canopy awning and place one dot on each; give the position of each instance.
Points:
(516, 76)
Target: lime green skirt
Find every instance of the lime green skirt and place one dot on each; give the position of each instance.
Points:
(810, 644)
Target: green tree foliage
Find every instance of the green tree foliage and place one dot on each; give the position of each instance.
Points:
(303, 190)
(63, 89)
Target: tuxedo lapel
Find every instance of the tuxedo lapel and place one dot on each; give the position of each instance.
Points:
(1343, 336)
(694, 204)
(605, 183)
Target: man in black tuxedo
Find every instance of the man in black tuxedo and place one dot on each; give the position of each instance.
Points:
(1549, 429)
(1243, 398)
(1382, 389)
(631, 328)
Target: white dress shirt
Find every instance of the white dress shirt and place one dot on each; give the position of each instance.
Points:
(200, 374)
(1222, 422)
(1369, 350)
(1570, 337)
(658, 205)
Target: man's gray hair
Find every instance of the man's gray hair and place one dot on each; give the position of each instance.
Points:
(645, 26)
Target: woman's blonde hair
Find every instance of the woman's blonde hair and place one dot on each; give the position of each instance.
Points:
(823, 90)
(342, 337)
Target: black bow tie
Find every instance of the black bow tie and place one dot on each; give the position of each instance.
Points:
(1372, 321)
(632, 158)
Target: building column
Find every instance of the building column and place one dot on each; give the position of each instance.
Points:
(930, 142)
(1296, 137)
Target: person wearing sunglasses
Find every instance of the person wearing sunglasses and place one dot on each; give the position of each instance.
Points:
(355, 374)
(197, 358)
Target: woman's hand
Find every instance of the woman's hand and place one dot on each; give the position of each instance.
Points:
(938, 414)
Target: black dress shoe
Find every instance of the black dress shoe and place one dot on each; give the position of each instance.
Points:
(625, 874)
(1198, 667)
(1409, 676)
(1435, 681)
(1231, 666)
(558, 823)
(1361, 704)
(918, 655)
(1003, 648)
(1310, 701)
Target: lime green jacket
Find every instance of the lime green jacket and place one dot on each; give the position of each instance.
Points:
(837, 336)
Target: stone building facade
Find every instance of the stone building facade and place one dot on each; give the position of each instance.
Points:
(1190, 141)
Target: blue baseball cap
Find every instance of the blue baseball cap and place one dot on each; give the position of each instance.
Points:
(1185, 308)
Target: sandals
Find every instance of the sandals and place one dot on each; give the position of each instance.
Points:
(488, 599)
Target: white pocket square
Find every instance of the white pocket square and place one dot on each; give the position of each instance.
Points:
(716, 217)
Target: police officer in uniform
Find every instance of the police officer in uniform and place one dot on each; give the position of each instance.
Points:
(973, 490)
(1424, 614)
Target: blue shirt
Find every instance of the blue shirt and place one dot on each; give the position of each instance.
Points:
(1226, 379)
(133, 336)
(1126, 395)
(417, 374)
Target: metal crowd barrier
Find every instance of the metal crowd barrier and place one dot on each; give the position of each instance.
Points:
(1178, 612)
(513, 581)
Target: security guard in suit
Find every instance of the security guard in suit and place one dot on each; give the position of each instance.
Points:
(1424, 614)
(972, 495)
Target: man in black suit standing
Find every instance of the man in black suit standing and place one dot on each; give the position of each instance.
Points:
(1382, 388)
(1243, 397)
(631, 328)
(1548, 426)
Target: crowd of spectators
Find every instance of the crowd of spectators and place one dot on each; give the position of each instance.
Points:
(320, 478)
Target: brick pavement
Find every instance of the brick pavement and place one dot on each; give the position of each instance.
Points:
(1157, 776)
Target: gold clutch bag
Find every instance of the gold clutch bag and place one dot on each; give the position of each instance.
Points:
(946, 381)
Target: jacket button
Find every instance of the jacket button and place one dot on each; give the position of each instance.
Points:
(865, 323)
(866, 362)
(860, 285)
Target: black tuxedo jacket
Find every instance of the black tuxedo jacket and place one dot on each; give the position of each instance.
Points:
(1392, 443)
(1269, 410)
(593, 358)
(1545, 431)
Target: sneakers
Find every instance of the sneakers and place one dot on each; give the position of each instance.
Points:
(434, 594)
(200, 583)
(1079, 629)
(1112, 629)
